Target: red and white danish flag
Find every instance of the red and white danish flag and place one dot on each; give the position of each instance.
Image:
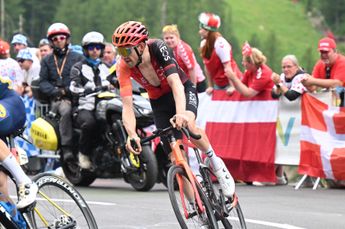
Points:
(322, 139)
(242, 132)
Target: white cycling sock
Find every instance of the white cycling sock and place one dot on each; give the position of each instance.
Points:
(214, 159)
(11, 164)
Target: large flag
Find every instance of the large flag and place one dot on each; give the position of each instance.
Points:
(322, 139)
(242, 131)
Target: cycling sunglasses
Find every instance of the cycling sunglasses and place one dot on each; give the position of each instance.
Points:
(125, 52)
(59, 38)
(91, 47)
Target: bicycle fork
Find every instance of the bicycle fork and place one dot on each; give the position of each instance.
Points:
(190, 190)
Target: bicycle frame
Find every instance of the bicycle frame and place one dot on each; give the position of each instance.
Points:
(181, 161)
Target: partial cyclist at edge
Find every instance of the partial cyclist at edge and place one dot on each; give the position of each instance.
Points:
(172, 95)
(12, 118)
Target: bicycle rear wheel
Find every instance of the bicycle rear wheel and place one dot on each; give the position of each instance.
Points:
(180, 202)
(60, 205)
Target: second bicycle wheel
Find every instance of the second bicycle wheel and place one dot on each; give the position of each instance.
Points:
(60, 205)
(235, 218)
(182, 201)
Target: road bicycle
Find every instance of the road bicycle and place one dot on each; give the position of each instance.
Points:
(197, 204)
(58, 205)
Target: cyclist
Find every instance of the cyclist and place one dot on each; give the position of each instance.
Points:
(12, 117)
(55, 81)
(216, 53)
(172, 96)
(185, 56)
(88, 75)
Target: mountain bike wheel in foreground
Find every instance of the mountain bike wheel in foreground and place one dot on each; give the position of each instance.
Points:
(180, 203)
(59, 205)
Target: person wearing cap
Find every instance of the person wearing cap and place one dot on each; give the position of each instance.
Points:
(19, 41)
(329, 70)
(216, 53)
(44, 47)
(184, 56)
(30, 71)
(10, 68)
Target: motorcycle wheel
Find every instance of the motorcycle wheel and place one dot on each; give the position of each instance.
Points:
(76, 175)
(145, 177)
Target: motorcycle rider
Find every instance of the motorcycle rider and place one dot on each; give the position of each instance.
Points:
(173, 97)
(88, 76)
(55, 81)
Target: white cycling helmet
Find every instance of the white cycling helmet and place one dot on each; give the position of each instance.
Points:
(92, 37)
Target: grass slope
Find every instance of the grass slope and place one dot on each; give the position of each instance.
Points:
(287, 20)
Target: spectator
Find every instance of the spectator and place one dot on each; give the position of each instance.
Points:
(44, 47)
(9, 68)
(30, 71)
(257, 76)
(55, 81)
(329, 71)
(216, 53)
(184, 56)
(19, 42)
(288, 84)
(109, 55)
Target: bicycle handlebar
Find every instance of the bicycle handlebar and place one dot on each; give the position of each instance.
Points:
(161, 132)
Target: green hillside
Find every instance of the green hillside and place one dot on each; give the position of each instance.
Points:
(279, 27)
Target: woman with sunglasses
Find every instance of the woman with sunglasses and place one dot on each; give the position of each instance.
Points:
(172, 95)
(55, 81)
(88, 76)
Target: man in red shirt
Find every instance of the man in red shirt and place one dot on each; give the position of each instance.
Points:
(329, 71)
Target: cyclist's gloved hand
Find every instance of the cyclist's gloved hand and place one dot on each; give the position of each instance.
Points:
(133, 145)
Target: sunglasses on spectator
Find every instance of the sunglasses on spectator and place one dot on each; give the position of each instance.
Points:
(59, 38)
(20, 60)
(91, 47)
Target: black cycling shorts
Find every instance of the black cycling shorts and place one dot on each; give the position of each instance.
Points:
(164, 107)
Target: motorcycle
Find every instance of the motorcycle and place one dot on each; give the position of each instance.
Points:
(109, 157)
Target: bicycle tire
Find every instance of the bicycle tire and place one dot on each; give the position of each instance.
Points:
(197, 219)
(55, 190)
(235, 218)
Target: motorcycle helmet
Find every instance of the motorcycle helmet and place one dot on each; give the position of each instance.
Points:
(58, 28)
(209, 21)
(130, 33)
(92, 38)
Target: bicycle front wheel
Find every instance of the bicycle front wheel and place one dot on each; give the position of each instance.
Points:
(183, 200)
(60, 205)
